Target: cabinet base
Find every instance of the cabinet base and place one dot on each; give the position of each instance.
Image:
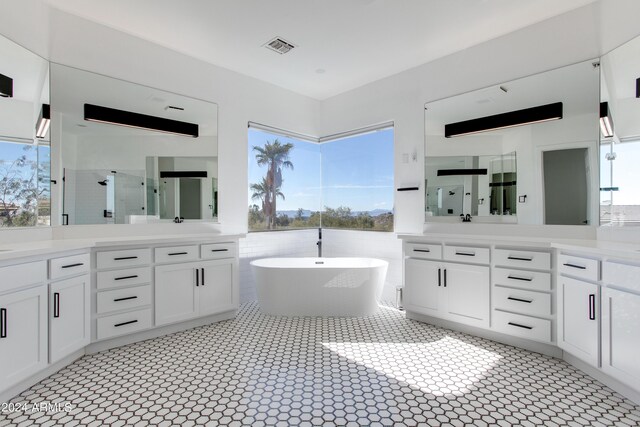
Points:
(157, 332)
(537, 347)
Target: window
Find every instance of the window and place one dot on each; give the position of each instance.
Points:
(25, 198)
(619, 195)
(299, 182)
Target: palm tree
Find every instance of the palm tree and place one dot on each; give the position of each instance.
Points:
(276, 157)
(262, 191)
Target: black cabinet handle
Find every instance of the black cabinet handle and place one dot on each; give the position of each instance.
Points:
(520, 326)
(466, 253)
(525, 279)
(126, 277)
(520, 300)
(3, 322)
(219, 250)
(197, 277)
(517, 258)
(122, 258)
(177, 253)
(574, 266)
(422, 250)
(202, 269)
(56, 304)
(439, 279)
(73, 265)
(592, 306)
(125, 323)
(124, 298)
(445, 277)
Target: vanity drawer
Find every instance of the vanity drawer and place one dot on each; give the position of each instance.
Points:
(467, 254)
(532, 280)
(218, 250)
(124, 323)
(521, 301)
(121, 299)
(522, 259)
(522, 326)
(124, 258)
(126, 277)
(177, 253)
(69, 266)
(19, 275)
(584, 268)
(424, 250)
(621, 275)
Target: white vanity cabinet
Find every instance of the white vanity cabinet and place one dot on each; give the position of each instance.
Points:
(69, 305)
(23, 321)
(621, 322)
(579, 307)
(447, 290)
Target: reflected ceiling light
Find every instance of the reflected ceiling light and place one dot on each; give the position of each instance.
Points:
(44, 120)
(6, 86)
(453, 172)
(606, 121)
(541, 113)
(96, 113)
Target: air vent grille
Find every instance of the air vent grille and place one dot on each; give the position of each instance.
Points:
(279, 45)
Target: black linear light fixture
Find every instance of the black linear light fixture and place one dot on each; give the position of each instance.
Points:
(6, 86)
(454, 172)
(96, 113)
(44, 120)
(606, 121)
(183, 174)
(541, 113)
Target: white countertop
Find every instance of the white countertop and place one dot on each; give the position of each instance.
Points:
(11, 251)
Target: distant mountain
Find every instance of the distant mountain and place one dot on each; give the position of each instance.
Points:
(306, 213)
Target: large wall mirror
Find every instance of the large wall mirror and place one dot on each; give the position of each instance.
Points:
(24, 137)
(620, 135)
(131, 153)
(524, 151)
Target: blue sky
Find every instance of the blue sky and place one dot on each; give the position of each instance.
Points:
(356, 172)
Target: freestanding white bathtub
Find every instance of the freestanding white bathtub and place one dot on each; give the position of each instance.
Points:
(319, 286)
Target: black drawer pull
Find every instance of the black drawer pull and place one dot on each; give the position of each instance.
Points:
(575, 266)
(520, 300)
(219, 250)
(517, 258)
(3, 322)
(56, 304)
(73, 265)
(122, 258)
(422, 250)
(524, 279)
(125, 323)
(178, 253)
(124, 299)
(126, 277)
(466, 253)
(520, 326)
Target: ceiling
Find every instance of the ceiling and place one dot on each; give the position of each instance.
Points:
(340, 45)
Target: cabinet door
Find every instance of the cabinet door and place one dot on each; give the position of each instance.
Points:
(68, 317)
(23, 334)
(215, 293)
(422, 286)
(620, 344)
(578, 314)
(176, 292)
(467, 290)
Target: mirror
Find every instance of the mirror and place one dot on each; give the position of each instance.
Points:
(479, 185)
(620, 145)
(112, 162)
(534, 120)
(25, 197)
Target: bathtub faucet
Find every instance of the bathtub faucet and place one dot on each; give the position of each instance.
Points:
(319, 243)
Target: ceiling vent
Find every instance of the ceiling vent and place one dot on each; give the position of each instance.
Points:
(279, 45)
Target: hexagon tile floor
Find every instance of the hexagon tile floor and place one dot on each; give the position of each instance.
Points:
(382, 370)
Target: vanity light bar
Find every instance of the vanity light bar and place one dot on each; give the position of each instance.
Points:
(96, 113)
(606, 122)
(6, 86)
(44, 120)
(539, 114)
(183, 174)
(454, 172)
